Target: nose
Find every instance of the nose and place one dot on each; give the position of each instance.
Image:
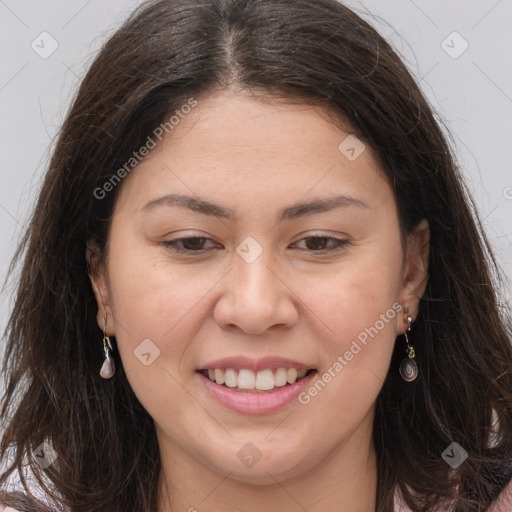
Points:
(256, 296)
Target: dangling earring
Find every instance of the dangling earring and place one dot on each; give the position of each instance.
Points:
(108, 368)
(408, 367)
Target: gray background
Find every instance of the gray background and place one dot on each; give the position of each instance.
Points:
(471, 93)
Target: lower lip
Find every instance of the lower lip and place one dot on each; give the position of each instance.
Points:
(255, 403)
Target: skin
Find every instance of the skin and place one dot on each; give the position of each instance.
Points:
(255, 158)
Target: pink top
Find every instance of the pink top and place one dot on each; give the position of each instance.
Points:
(502, 504)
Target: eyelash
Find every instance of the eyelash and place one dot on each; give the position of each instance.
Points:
(172, 244)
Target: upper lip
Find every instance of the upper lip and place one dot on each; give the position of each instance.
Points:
(255, 364)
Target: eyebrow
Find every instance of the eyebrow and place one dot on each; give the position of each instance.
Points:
(288, 213)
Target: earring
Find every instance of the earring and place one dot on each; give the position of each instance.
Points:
(408, 367)
(108, 368)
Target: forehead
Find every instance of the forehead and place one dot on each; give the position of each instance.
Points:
(233, 145)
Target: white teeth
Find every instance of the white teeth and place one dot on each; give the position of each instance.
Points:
(246, 379)
(291, 375)
(231, 378)
(301, 373)
(280, 379)
(219, 377)
(263, 380)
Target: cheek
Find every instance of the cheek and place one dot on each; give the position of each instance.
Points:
(155, 309)
(359, 311)
(354, 297)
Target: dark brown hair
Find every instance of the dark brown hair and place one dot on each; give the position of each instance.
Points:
(313, 51)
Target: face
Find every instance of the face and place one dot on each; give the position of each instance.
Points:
(285, 256)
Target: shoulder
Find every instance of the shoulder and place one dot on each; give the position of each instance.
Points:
(504, 501)
(502, 504)
(14, 497)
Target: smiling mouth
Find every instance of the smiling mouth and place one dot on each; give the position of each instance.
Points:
(244, 380)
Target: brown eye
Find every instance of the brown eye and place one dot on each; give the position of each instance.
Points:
(196, 244)
(320, 243)
(187, 245)
(316, 243)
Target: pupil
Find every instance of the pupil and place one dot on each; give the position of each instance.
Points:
(193, 245)
(322, 240)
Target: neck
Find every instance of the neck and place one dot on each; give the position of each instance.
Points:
(344, 481)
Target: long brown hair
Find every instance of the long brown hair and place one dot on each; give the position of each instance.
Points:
(315, 51)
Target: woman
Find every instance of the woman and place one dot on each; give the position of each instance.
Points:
(253, 280)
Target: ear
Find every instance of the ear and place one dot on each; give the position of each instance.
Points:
(415, 273)
(96, 268)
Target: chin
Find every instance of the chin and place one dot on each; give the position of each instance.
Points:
(266, 470)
